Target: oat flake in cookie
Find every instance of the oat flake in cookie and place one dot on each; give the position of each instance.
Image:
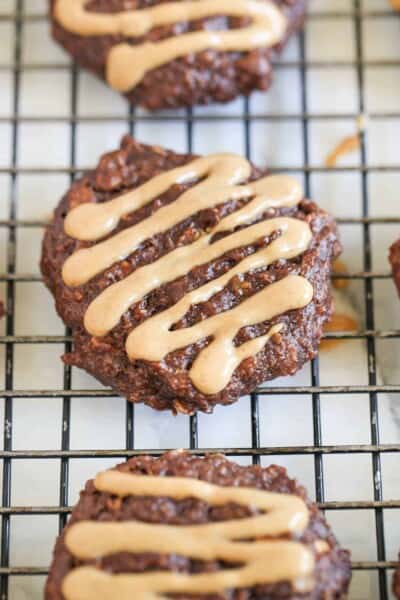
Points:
(190, 527)
(188, 281)
(163, 53)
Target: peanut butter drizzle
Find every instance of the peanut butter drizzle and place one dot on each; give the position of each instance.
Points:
(346, 146)
(214, 366)
(127, 64)
(106, 310)
(153, 340)
(340, 323)
(267, 561)
(223, 173)
(339, 267)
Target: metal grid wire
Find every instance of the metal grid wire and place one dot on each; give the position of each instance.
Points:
(356, 13)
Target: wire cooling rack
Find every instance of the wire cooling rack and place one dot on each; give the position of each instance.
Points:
(28, 401)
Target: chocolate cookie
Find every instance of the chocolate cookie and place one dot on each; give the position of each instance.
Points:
(394, 258)
(163, 53)
(196, 528)
(188, 281)
(396, 583)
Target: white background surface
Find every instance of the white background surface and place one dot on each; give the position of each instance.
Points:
(285, 420)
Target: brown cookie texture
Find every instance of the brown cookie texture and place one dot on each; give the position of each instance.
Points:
(394, 259)
(167, 384)
(200, 78)
(396, 582)
(332, 571)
